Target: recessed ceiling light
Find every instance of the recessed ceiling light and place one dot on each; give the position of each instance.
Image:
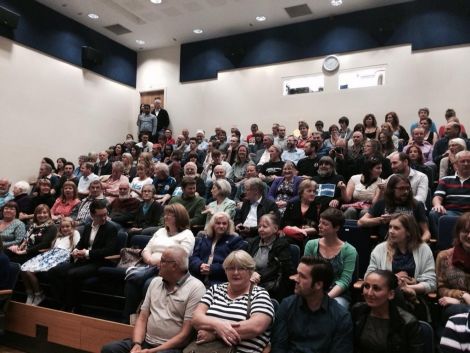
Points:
(260, 18)
(140, 41)
(93, 16)
(198, 31)
(336, 2)
(156, 1)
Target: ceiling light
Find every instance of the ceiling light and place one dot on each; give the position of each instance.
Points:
(198, 31)
(336, 2)
(93, 16)
(260, 18)
(140, 41)
(156, 1)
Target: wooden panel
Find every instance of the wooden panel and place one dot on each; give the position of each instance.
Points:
(71, 330)
(149, 97)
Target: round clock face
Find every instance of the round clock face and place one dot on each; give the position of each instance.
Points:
(331, 63)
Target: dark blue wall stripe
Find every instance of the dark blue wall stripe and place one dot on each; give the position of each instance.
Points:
(47, 31)
(423, 23)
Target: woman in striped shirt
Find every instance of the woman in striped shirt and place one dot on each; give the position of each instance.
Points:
(222, 313)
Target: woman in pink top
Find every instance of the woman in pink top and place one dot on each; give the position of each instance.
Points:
(67, 201)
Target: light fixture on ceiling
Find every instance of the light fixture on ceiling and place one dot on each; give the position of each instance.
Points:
(140, 41)
(93, 16)
(260, 18)
(198, 31)
(156, 1)
(336, 2)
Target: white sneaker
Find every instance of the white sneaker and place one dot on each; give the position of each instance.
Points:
(29, 299)
(38, 298)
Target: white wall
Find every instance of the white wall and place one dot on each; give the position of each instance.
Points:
(51, 108)
(437, 79)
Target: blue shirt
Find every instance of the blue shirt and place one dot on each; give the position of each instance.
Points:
(300, 330)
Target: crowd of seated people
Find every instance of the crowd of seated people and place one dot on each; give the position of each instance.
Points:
(262, 193)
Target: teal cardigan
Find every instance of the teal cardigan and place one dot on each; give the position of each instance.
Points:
(348, 255)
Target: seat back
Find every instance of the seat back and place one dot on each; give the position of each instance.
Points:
(360, 239)
(445, 232)
(121, 241)
(140, 241)
(295, 255)
(275, 304)
(428, 336)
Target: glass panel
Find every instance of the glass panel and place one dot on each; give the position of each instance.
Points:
(364, 77)
(302, 84)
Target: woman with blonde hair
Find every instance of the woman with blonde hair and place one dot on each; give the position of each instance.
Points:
(446, 166)
(212, 247)
(223, 313)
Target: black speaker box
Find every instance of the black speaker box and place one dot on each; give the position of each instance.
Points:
(91, 56)
(8, 18)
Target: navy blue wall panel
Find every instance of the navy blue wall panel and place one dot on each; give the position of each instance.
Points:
(423, 23)
(54, 34)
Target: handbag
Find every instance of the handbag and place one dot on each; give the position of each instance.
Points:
(217, 346)
(130, 257)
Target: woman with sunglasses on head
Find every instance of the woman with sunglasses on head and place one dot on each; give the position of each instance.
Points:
(379, 324)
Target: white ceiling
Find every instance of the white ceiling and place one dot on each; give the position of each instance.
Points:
(172, 22)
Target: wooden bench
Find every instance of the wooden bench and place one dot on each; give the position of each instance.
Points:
(80, 333)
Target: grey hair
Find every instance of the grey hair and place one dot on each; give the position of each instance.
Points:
(180, 255)
(459, 141)
(163, 167)
(224, 187)
(256, 183)
(23, 186)
(210, 226)
(119, 165)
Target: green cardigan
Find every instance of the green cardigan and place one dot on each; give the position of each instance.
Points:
(348, 255)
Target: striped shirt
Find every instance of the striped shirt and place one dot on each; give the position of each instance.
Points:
(456, 336)
(222, 307)
(455, 192)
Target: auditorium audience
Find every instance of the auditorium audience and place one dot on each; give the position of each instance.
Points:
(269, 170)
(255, 205)
(398, 130)
(97, 241)
(174, 232)
(286, 187)
(453, 271)
(12, 230)
(446, 167)
(341, 255)
(123, 209)
(328, 181)
(20, 196)
(309, 320)
(221, 191)
(397, 199)
(111, 184)
(61, 247)
(212, 246)
(66, 202)
(249, 331)
(39, 236)
(86, 169)
(5, 271)
(148, 215)
(5, 194)
(429, 136)
(272, 257)
(371, 130)
(380, 325)
(194, 204)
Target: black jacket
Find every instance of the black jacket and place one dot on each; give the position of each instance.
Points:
(105, 169)
(264, 207)
(404, 332)
(105, 243)
(279, 263)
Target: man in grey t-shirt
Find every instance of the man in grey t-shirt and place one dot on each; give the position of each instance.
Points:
(165, 317)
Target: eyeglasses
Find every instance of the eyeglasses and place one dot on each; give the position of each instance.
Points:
(233, 269)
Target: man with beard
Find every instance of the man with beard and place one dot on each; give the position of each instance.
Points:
(308, 166)
(194, 204)
(292, 153)
(419, 181)
(123, 209)
(322, 149)
(262, 155)
(328, 192)
(81, 214)
(68, 175)
(453, 192)
(397, 198)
